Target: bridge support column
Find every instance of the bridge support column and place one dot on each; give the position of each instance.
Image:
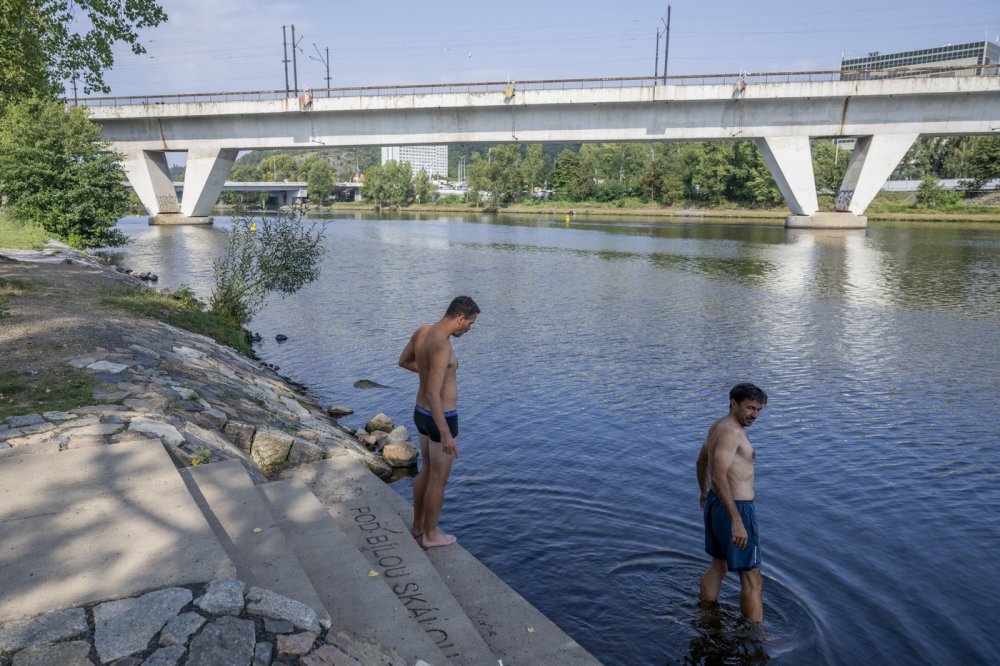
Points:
(790, 160)
(149, 174)
(204, 176)
(872, 162)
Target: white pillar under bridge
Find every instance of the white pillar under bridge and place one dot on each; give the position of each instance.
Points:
(204, 177)
(872, 162)
(781, 112)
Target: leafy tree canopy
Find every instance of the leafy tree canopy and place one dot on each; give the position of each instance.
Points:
(45, 43)
(56, 172)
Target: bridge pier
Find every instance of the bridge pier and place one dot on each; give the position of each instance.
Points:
(872, 162)
(206, 172)
(790, 160)
(204, 176)
(149, 174)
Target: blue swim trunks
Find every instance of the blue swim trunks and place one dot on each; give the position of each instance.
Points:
(719, 534)
(425, 422)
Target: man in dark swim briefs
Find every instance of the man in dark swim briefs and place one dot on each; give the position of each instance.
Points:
(429, 353)
(725, 475)
(424, 421)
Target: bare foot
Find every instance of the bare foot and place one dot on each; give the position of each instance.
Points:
(439, 541)
(416, 534)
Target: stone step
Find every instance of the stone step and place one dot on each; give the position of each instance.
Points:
(242, 520)
(91, 524)
(351, 494)
(515, 631)
(340, 574)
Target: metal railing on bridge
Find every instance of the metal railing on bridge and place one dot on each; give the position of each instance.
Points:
(547, 84)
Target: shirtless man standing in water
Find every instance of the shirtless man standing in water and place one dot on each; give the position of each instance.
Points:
(725, 475)
(429, 353)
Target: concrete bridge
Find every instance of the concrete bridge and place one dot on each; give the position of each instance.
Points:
(781, 112)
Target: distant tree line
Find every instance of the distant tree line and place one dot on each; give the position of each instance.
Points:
(320, 168)
(693, 174)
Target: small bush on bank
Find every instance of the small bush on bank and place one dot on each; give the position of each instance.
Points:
(263, 256)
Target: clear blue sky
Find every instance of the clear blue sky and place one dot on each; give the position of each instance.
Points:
(229, 45)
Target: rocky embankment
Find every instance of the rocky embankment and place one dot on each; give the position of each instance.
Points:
(204, 403)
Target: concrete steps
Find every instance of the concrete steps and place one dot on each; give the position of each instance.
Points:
(97, 523)
(340, 574)
(377, 519)
(245, 526)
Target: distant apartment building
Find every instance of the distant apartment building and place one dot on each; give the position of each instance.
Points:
(432, 159)
(982, 58)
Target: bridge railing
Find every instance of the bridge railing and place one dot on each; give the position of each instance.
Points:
(550, 84)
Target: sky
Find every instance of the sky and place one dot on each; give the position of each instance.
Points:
(236, 45)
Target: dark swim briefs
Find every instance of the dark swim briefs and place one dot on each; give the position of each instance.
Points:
(425, 422)
(719, 534)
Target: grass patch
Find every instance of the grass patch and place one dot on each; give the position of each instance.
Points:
(17, 287)
(182, 313)
(50, 390)
(17, 236)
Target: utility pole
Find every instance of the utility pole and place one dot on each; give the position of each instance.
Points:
(295, 64)
(325, 61)
(656, 60)
(666, 47)
(284, 46)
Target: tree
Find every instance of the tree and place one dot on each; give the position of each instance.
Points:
(662, 180)
(499, 174)
(829, 165)
(982, 161)
(57, 172)
(534, 167)
(40, 49)
(278, 167)
(319, 177)
(264, 256)
(389, 184)
(571, 177)
(423, 188)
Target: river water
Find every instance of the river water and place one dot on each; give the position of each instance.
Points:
(604, 351)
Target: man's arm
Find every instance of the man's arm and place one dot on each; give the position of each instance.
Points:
(408, 359)
(701, 466)
(725, 452)
(439, 356)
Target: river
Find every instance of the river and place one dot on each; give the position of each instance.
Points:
(605, 349)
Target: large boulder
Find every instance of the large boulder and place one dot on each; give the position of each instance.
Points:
(400, 454)
(336, 411)
(270, 446)
(380, 422)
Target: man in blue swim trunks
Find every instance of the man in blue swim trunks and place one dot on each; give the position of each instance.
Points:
(429, 353)
(725, 475)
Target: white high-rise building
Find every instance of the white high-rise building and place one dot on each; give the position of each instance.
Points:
(432, 159)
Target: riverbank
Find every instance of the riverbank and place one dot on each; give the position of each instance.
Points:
(686, 215)
(128, 499)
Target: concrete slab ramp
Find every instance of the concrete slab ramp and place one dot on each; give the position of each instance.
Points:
(98, 523)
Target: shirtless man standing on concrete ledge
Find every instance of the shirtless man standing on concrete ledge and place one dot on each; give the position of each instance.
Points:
(429, 354)
(725, 475)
